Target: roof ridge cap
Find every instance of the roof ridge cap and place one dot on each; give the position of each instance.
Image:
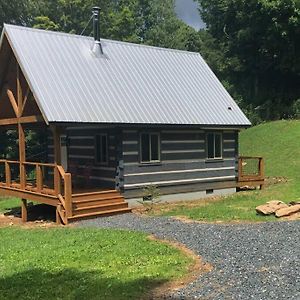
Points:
(73, 35)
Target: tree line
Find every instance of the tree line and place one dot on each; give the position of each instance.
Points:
(252, 45)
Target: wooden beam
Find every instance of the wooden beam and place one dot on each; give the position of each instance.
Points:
(24, 210)
(12, 121)
(57, 158)
(39, 178)
(7, 174)
(33, 196)
(22, 155)
(22, 120)
(13, 101)
(31, 119)
(68, 195)
(19, 92)
(25, 100)
(58, 218)
(21, 143)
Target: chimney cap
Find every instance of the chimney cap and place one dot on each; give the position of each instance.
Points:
(96, 9)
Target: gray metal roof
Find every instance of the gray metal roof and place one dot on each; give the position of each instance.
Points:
(133, 84)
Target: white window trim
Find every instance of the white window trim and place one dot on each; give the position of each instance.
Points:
(159, 148)
(96, 150)
(221, 146)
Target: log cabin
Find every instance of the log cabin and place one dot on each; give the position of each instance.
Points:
(117, 117)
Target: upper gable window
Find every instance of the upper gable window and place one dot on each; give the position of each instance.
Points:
(214, 145)
(149, 147)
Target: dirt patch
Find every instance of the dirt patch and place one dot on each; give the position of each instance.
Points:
(275, 180)
(169, 206)
(187, 220)
(197, 268)
(7, 221)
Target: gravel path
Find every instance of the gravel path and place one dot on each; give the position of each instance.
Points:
(251, 261)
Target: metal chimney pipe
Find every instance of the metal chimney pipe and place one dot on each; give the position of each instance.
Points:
(96, 25)
(97, 47)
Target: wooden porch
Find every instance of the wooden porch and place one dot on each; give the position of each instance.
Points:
(50, 184)
(251, 172)
(46, 183)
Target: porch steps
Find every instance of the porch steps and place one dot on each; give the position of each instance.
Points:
(99, 214)
(96, 204)
(100, 208)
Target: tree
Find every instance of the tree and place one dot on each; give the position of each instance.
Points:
(14, 12)
(260, 40)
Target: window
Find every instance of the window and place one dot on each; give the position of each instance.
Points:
(150, 147)
(214, 145)
(101, 149)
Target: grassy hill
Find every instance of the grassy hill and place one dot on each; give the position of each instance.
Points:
(279, 143)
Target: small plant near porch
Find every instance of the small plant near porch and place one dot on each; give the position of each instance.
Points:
(151, 194)
(84, 264)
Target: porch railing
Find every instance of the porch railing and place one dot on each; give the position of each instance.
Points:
(251, 169)
(41, 179)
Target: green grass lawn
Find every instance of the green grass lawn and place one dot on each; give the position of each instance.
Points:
(68, 263)
(6, 204)
(278, 142)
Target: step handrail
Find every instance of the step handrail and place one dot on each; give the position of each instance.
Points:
(66, 199)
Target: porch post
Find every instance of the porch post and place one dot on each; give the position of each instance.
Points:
(56, 142)
(22, 154)
(24, 210)
(57, 158)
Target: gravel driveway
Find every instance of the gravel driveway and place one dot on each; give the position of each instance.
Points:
(251, 261)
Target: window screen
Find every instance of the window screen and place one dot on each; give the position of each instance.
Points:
(150, 147)
(101, 148)
(145, 147)
(214, 145)
(210, 145)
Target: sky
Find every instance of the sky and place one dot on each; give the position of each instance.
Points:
(187, 10)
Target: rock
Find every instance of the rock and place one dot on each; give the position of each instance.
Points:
(264, 209)
(283, 212)
(271, 207)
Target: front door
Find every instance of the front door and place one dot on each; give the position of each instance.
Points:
(64, 152)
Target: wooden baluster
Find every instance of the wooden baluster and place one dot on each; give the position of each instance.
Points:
(39, 178)
(7, 174)
(57, 186)
(22, 176)
(68, 194)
